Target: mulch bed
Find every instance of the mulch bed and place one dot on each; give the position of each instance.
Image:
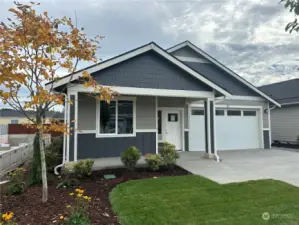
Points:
(29, 210)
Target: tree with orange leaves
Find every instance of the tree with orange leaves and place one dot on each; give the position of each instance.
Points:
(33, 48)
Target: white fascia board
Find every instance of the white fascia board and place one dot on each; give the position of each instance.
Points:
(291, 103)
(138, 52)
(247, 98)
(147, 91)
(248, 84)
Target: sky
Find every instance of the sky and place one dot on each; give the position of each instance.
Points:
(248, 36)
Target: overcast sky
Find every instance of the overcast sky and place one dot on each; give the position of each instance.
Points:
(246, 35)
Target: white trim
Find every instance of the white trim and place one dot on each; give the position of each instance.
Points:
(249, 98)
(87, 131)
(76, 128)
(261, 127)
(291, 103)
(98, 135)
(147, 91)
(266, 128)
(207, 111)
(214, 129)
(230, 106)
(157, 125)
(145, 130)
(187, 129)
(195, 48)
(269, 125)
(192, 59)
(181, 109)
(151, 46)
(69, 130)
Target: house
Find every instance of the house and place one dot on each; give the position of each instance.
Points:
(180, 95)
(284, 120)
(10, 116)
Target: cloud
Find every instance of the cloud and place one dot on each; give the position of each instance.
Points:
(246, 35)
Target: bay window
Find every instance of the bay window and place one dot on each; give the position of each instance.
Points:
(116, 118)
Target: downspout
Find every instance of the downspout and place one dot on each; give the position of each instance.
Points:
(216, 151)
(64, 136)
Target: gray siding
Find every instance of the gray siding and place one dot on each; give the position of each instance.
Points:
(187, 52)
(149, 70)
(72, 126)
(266, 134)
(145, 112)
(86, 112)
(91, 147)
(222, 78)
(186, 141)
(285, 123)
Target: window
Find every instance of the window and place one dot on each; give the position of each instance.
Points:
(14, 121)
(172, 117)
(249, 113)
(233, 112)
(197, 112)
(116, 118)
(219, 112)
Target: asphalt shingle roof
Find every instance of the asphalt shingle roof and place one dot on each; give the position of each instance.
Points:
(286, 92)
(13, 113)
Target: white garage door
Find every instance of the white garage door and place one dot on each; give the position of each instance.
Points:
(235, 129)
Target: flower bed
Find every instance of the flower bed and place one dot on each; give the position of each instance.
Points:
(28, 208)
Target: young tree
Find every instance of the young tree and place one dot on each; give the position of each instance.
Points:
(33, 48)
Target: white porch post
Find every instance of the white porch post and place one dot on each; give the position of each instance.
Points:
(209, 105)
(73, 126)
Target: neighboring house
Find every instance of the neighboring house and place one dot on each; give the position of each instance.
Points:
(284, 120)
(180, 95)
(10, 116)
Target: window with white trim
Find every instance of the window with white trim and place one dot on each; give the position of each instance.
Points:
(116, 118)
(14, 121)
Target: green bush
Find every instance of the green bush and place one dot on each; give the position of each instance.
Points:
(130, 157)
(16, 185)
(153, 161)
(83, 168)
(53, 153)
(169, 155)
(67, 183)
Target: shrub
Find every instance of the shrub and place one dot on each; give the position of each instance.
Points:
(67, 183)
(169, 154)
(17, 184)
(153, 161)
(53, 153)
(78, 208)
(130, 157)
(83, 168)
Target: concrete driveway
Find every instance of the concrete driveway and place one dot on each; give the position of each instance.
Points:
(244, 165)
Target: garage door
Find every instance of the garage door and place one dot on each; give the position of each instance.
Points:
(235, 129)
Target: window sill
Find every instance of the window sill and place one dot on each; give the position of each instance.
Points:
(115, 135)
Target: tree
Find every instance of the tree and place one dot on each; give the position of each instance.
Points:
(33, 48)
(293, 6)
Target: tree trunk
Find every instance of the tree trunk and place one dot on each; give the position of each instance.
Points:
(43, 166)
(35, 175)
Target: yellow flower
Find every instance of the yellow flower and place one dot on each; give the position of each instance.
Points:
(71, 194)
(80, 191)
(89, 198)
(68, 206)
(85, 197)
(79, 195)
(61, 217)
(7, 216)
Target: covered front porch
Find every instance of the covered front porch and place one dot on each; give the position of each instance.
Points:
(139, 116)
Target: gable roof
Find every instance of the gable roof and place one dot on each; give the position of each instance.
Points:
(285, 92)
(135, 52)
(220, 65)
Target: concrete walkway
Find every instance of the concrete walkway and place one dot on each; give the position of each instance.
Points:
(244, 165)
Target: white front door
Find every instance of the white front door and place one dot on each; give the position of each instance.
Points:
(173, 126)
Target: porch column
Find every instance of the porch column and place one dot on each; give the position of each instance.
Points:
(72, 122)
(209, 106)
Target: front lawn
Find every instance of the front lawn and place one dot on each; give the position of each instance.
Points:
(195, 200)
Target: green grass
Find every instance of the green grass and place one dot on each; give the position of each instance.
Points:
(190, 200)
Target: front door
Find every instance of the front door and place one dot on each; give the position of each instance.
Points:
(173, 132)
